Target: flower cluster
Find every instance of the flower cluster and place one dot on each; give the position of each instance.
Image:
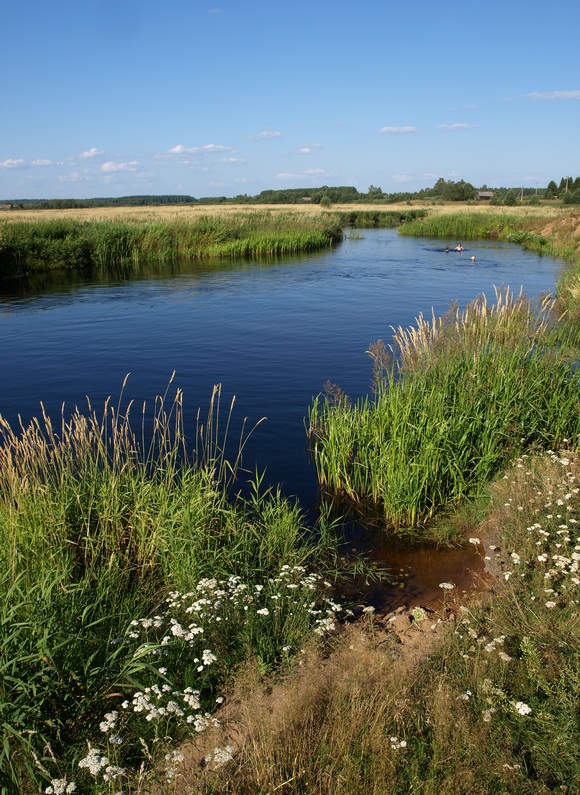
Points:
(542, 576)
(193, 632)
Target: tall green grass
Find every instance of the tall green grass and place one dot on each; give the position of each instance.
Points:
(377, 218)
(43, 245)
(455, 399)
(102, 516)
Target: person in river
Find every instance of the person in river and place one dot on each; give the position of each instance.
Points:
(459, 247)
(447, 249)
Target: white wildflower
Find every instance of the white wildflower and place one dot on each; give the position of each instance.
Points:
(522, 707)
(58, 786)
(94, 761)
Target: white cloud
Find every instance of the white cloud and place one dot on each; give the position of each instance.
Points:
(11, 163)
(398, 130)
(94, 152)
(180, 149)
(452, 127)
(554, 95)
(41, 162)
(233, 160)
(265, 135)
(111, 167)
(401, 178)
(307, 150)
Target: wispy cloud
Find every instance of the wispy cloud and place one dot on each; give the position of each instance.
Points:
(180, 149)
(111, 167)
(307, 150)
(11, 163)
(90, 153)
(454, 127)
(265, 135)
(554, 95)
(398, 130)
(41, 162)
(236, 161)
(310, 173)
(401, 177)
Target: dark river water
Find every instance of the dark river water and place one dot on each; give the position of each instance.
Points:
(272, 333)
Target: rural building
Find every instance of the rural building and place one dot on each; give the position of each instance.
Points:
(484, 195)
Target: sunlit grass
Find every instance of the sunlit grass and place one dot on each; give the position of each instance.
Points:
(102, 515)
(455, 398)
(40, 245)
(489, 706)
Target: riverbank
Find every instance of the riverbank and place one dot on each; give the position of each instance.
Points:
(474, 696)
(57, 240)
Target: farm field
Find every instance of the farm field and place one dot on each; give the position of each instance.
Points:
(170, 213)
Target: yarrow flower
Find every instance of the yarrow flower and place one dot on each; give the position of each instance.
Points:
(522, 708)
(59, 786)
(220, 756)
(447, 586)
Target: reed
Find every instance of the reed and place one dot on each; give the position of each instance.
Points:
(455, 399)
(99, 524)
(27, 247)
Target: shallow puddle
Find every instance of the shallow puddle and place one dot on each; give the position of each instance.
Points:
(416, 576)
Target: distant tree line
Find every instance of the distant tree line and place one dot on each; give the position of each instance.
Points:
(568, 191)
(119, 201)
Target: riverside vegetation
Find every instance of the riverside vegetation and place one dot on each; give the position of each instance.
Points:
(138, 592)
(31, 246)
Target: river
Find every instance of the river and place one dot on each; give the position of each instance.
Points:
(271, 332)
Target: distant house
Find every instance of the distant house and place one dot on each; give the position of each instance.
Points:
(5, 206)
(484, 195)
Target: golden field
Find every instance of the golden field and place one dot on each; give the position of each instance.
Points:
(171, 213)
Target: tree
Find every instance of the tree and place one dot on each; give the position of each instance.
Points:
(510, 199)
(551, 190)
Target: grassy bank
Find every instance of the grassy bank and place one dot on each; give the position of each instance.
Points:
(131, 585)
(34, 246)
(484, 703)
(455, 399)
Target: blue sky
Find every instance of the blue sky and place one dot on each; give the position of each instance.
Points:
(111, 98)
